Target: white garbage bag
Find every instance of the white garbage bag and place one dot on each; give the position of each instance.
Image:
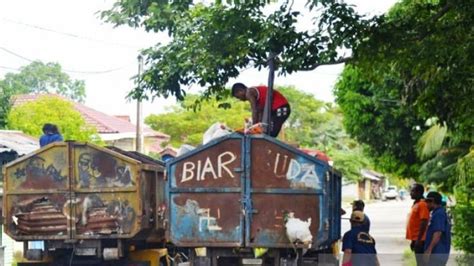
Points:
(185, 148)
(298, 230)
(215, 131)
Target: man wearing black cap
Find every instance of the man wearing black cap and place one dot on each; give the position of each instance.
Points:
(438, 234)
(358, 246)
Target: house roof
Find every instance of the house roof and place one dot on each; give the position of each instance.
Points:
(13, 140)
(372, 175)
(104, 123)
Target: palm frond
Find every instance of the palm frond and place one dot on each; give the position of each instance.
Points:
(431, 141)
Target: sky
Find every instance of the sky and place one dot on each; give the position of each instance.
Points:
(71, 33)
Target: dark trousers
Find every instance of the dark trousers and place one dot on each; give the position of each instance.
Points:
(419, 250)
(279, 117)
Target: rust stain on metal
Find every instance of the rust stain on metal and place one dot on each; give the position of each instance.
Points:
(104, 215)
(39, 216)
(213, 167)
(270, 164)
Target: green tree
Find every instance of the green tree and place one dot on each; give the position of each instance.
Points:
(31, 116)
(306, 116)
(38, 77)
(428, 47)
(186, 124)
(408, 94)
(464, 209)
(375, 115)
(211, 43)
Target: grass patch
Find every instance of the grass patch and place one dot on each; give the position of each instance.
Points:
(409, 258)
(17, 257)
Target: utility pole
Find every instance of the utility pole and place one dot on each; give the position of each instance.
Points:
(267, 112)
(139, 137)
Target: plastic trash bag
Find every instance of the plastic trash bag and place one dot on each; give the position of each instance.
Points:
(215, 131)
(297, 230)
(185, 148)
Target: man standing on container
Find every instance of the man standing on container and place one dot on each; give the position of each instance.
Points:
(438, 235)
(417, 222)
(257, 98)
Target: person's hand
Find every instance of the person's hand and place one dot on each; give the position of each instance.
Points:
(426, 256)
(412, 245)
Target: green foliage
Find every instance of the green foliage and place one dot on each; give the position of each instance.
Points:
(431, 141)
(464, 210)
(306, 116)
(211, 43)
(38, 77)
(31, 116)
(405, 72)
(375, 115)
(350, 163)
(187, 125)
(429, 45)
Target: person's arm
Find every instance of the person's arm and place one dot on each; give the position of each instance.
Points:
(377, 262)
(429, 249)
(251, 96)
(434, 242)
(346, 258)
(423, 225)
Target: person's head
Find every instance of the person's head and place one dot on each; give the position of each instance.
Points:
(416, 191)
(48, 128)
(357, 218)
(358, 205)
(239, 90)
(433, 200)
(54, 129)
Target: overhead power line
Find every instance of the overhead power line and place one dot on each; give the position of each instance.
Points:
(64, 69)
(68, 34)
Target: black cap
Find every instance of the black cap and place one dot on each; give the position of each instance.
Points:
(434, 196)
(358, 205)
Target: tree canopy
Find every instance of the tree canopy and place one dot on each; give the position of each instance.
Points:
(407, 75)
(212, 42)
(408, 94)
(38, 77)
(31, 116)
(186, 125)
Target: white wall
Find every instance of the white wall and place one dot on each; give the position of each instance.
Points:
(8, 244)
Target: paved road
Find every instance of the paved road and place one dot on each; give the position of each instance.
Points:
(388, 221)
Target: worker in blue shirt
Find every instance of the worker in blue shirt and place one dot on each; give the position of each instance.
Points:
(358, 246)
(359, 205)
(50, 135)
(438, 234)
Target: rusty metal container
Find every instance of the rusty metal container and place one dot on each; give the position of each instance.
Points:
(236, 191)
(75, 191)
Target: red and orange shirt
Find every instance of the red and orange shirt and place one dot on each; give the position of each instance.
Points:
(419, 211)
